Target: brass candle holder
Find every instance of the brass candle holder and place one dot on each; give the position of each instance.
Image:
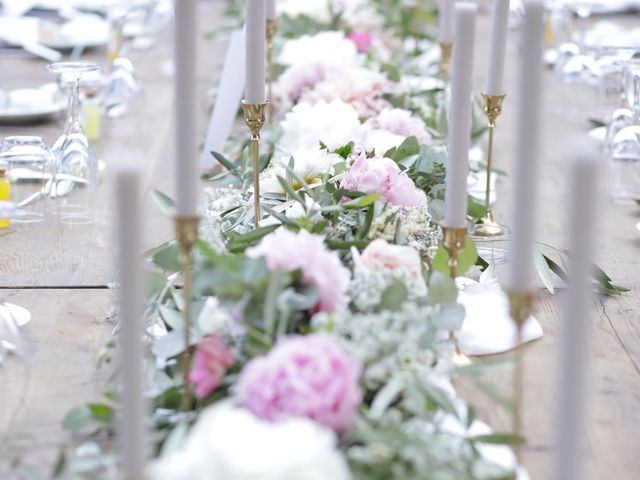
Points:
(186, 229)
(488, 227)
(271, 29)
(453, 243)
(520, 308)
(446, 52)
(254, 118)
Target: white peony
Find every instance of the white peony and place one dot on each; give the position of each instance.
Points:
(360, 87)
(230, 443)
(328, 48)
(309, 164)
(335, 124)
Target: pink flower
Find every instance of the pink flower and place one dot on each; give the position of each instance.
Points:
(383, 175)
(303, 376)
(361, 39)
(213, 359)
(300, 77)
(362, 88)
(381, 256)
(289, 251)
(401, 122)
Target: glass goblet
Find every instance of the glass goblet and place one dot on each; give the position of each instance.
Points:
(75, 160)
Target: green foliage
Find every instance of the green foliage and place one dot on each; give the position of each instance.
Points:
(467, 258)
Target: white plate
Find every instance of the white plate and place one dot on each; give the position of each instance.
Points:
(27, 105)
(21, 315)
(82, 30)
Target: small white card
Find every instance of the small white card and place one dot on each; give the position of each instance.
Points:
(227, 101)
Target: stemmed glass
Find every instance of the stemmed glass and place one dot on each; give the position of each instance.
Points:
(74, 157)
(625, 148)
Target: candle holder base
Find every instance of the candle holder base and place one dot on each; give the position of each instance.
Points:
(453, 242)
(254, 118)
(520, 308)
(186, 230)
(446, 52)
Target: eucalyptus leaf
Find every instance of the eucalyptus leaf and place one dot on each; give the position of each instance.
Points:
(450, 317)
(169, 345)
(164, 202)
(168, 258)
(393, 297)
(362, 202)
(497, 439)
(409, 147)
(544, 272)
(442, 289)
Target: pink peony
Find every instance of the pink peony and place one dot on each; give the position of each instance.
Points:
(401, 122)
(300, 77)
(213, 359)
(361, 39)
(381, 256)
(303, 376)
(383, 175)
(362, 88)
(289, 251)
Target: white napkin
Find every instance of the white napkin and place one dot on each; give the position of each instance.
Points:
(488, 328)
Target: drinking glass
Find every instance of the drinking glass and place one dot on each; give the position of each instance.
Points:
(624, 164)
(75, 160)
(30, 168)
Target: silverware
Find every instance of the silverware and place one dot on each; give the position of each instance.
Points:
(62, 189)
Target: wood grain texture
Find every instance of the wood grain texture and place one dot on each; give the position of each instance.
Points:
(69, 328)
(62, 255)
(611, 436)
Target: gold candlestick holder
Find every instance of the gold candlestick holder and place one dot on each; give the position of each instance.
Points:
(446, 52)
(186, 229)
(254, 118)
(488, 227)
(520, 308)
(272, 29)
(453, 243)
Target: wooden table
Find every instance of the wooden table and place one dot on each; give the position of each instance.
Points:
(61, 274)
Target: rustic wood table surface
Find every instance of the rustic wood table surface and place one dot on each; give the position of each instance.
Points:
(62, 273)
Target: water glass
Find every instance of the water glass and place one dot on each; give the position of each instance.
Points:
(30, 167)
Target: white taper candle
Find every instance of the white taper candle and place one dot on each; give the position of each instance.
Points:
(132, 429)
(186, 159)
(573, 356)
(255, 30)
(499, 28)
(460, 116)
(445, 21)
(271, 9)
(527, 148)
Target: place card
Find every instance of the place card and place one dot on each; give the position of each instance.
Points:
(227, 101)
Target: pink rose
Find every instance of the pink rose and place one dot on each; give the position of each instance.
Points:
(289, 251)
(213, 359)
(380, 256)
(303, 376)
(362, 40)
(383, 175)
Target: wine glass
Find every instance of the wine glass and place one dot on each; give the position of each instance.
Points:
(75, 160)
(624, 165)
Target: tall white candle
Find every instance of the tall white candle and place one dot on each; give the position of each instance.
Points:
(499, 27)
(132, 433)
(460, 115)
(255, 30)
(574, 334)
(186, 169)
(445, 18)
(527, 147)
(271, 9)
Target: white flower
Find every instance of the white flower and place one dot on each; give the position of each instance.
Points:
(335, 124)
(381, 141)
(328, 48)
(214, 318)
(360, 87)
(401, 122)
(308, 164)
(230, 443)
